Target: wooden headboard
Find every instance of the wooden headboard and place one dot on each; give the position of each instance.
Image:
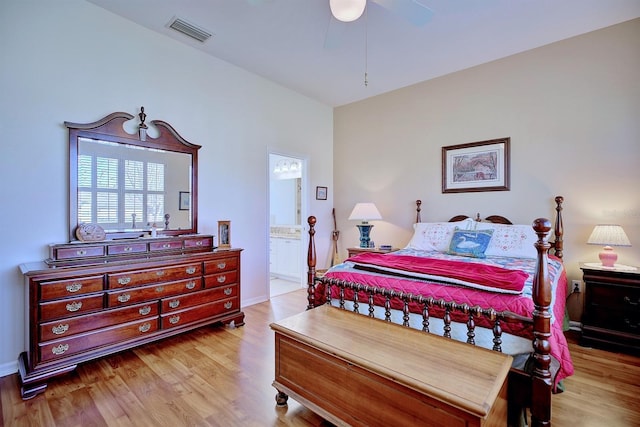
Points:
(558, 230)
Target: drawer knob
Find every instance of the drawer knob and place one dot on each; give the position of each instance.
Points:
(166, 246)
(60, 329)
(174, 304)
(128, 249)
(222, 279)
(628, 301)
(221, 265)
(190, 270)
(74, 287)
(631, 325)
(160, 273)
(124, 280)
(228, 291)
(144, 327)
(74, 306)
(145, 310)
(159, 289)
(191, 285)
(81, 252)
(228, 305)
(60, 349)
(174, 319)
(124, 297)
(199, 243)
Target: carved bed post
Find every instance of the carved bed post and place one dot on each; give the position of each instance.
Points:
(558, 229)
(311, 263)
(541, 383)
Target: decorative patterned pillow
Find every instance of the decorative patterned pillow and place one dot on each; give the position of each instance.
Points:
(515, 241)
(435, 236)
(472, 243)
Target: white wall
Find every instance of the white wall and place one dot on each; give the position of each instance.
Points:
(72, 61)
(572, 110)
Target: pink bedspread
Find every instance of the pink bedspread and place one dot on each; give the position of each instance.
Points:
(520, 303)
(478, 276)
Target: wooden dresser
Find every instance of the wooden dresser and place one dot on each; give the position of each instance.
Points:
(611, 317)
(96, 304)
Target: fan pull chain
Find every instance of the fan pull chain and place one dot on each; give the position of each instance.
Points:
(366, 45)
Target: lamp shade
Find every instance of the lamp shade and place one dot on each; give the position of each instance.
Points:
(608, 235)
(347, 10)
(365, 212)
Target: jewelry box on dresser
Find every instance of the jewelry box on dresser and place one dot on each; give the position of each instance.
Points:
(137, 283)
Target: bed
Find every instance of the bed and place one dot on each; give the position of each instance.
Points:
(486, 282)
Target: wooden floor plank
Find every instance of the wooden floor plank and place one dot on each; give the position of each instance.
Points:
(221, 376)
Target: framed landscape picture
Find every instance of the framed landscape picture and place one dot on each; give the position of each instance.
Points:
(476, 166)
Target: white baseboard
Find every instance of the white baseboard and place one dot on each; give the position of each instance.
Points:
(575, 326)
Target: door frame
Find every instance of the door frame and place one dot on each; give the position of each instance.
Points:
(304, 208)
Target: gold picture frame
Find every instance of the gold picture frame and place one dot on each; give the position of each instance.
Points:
(224, 234)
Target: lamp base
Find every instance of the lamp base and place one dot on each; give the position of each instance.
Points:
(608, 257)
(365, 229)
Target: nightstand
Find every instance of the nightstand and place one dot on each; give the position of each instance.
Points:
(611, 317)
(356, 251)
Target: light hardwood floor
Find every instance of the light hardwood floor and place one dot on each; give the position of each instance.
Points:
(218, 376)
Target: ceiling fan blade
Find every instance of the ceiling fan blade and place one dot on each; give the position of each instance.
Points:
(411, 10)
(335, 33)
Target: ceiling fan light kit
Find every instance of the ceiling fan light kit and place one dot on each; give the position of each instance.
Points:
(347, 10)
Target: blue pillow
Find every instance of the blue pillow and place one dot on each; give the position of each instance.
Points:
(471, 243)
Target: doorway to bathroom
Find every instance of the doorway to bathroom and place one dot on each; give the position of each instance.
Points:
(286, 185)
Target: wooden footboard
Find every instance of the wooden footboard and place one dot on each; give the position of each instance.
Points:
(533, 390)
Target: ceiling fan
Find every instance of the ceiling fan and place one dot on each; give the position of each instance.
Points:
(411, 10)
(345, 11)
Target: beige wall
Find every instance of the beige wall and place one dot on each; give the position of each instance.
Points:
(572, 110)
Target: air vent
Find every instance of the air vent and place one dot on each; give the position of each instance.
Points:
(190, 30)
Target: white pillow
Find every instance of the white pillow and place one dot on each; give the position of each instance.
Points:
(515, 241)
(435, 236)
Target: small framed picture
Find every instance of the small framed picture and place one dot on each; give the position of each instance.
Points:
(184, 201)
(224, 234)
(321, 193)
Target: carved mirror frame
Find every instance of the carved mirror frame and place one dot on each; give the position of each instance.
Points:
(112, 130)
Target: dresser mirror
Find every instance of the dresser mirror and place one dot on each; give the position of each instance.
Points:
(132, 184)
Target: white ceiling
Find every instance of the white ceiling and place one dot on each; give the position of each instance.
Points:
(284, 40)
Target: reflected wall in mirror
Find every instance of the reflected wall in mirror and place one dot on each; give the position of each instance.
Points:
(129, 183)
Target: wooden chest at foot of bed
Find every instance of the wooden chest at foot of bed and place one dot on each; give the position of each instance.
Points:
(353, 370)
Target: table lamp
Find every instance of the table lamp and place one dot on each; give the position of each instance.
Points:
(365, 212)
(608, 235)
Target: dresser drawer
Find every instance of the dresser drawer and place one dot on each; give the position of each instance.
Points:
(220, 265)
(152, 292)
(614, 297)
(180, 302)
(53, 350)
(165, 245)
(70, 287)
(71, 307)
(126, 248)
(197, 313)
(80, 252)
(199, 242)
(215, 280)
(155, 275)
(76, 325)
